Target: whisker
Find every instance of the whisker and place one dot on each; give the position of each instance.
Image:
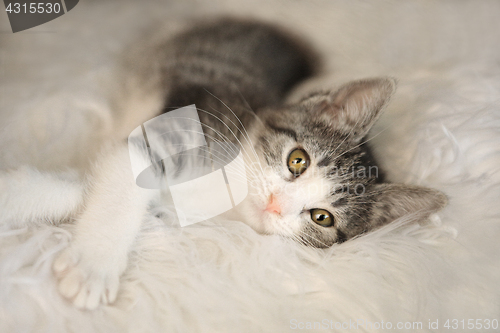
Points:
(252, 112)
(373, 137)
(313, 238)
(347, 136)
(246, 136)
(220, 134)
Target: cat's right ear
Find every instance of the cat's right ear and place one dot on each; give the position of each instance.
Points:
(354, 107)
(391, 201)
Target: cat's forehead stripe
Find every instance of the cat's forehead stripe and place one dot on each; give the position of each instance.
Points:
(281, 130)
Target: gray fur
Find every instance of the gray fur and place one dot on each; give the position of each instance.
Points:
(238, 72)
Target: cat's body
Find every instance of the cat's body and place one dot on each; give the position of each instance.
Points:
(245, 65)
(311, 175)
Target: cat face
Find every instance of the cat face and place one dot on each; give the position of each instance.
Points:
(311, 176)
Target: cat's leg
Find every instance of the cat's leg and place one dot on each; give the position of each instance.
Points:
(90, 268)
(28, 196)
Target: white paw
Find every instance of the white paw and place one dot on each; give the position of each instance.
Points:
(88, 277)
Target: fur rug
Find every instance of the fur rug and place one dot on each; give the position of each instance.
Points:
(441, 130)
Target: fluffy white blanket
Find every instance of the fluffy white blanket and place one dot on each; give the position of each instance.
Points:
(441, 130)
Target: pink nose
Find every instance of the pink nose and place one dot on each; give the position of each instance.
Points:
(273, 206)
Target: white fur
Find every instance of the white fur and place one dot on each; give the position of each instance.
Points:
(441, 130)
(307, 192)
(90, 268)
(29, 196)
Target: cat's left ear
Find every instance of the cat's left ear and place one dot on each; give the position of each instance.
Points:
(356, 106)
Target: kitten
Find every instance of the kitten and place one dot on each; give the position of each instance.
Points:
(311, 174)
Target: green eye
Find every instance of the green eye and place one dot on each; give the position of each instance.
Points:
(322, 217)
(298, 161)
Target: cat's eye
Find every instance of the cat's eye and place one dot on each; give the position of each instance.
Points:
(298, 161)
(322, 217)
